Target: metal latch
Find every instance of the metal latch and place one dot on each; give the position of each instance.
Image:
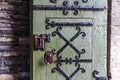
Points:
(40, 40)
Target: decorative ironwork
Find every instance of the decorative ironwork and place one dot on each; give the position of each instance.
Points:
(66, 7)
(76, 60)
(39, 41)
(69, 42)
(53, 1)
(53, 23)
(64, 74)
(95, 73)
(85, 1)
(70, 60)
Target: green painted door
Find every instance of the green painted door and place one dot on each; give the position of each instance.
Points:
(70, 39)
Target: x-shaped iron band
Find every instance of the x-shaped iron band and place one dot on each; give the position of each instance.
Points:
(77, 59)
(69, 42)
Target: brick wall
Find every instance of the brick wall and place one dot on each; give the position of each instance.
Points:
(115, 41)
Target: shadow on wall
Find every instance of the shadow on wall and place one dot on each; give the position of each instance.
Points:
(14, 40)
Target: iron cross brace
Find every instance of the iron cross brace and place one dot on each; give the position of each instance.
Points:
(77, 59)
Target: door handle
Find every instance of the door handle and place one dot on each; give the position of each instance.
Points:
(49, 57)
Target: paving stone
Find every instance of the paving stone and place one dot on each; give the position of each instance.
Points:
(115, 39)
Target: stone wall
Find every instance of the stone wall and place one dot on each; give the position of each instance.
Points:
(115, 40)
(14, 40)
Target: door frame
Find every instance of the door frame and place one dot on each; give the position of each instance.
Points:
(109, 39)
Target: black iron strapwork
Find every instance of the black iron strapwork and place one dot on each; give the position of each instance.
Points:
(66, 7)
(53, 23)
(95, 73)
(76, 60)
(84, 1)
(68, 43)
(53, 1)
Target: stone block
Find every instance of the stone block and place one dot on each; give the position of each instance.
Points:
(115, 40)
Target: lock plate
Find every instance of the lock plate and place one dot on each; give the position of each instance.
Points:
(40, 40)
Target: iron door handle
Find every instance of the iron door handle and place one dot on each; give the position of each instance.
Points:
(49, 57)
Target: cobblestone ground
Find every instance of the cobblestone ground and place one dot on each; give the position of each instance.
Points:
(115, 48)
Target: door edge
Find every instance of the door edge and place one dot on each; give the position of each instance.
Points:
(109, 39)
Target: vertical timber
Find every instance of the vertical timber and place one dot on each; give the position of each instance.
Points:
(109, 39)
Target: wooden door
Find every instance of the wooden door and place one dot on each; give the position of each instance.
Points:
(70, 39)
